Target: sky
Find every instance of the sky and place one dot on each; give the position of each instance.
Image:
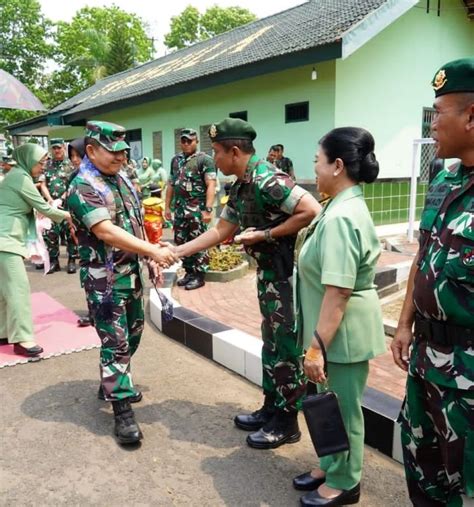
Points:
(158, 13)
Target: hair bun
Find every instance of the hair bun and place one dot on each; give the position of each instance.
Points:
(369, 168)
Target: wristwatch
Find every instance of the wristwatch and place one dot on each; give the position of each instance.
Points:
(208, 209)
(268, 236)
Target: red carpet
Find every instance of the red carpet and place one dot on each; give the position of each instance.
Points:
(55, 330)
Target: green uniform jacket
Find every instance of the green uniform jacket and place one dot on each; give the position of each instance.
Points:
(18, 198)
(341, 249)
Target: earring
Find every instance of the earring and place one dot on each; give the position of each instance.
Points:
(335, 174)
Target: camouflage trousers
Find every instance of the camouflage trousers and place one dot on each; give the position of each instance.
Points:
(52, 239)
(437, 430)
(120, 328)
(282, 367)
(188, 226)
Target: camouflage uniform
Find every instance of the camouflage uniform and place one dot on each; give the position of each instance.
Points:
(57, 176)
(286, 165)
(437, 417)
(188, 178)
(263, 199)
(118, 315)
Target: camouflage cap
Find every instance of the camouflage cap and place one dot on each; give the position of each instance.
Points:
(57, 141)
(109, 135)
(232, 128)
(455, 77)
(188, 133)
(6, 159)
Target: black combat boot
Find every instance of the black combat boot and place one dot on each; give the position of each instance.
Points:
(39, 266)
(257, 419)
(132, 399)
(196, 281)
(282, 429)
(71, 266)
(185, 279)
(126, 429)
(54, 267)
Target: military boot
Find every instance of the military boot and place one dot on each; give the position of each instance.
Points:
(257, 419)
(126, 429)
(196, 281)
(184, 280)
(71, 266)
(54, 267)
(281, 429)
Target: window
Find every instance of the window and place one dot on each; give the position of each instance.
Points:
(428, 151)
(177, 139)
(298, 111)
(158, 145)
(239, 114)
(134, 139)
(205, 144)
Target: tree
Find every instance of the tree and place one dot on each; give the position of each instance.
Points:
(191, 26)
(24, 49)
(89, 47)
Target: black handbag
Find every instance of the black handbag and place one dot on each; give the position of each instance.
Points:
(324, 419)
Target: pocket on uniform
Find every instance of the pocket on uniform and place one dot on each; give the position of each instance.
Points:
(461, 268)
(468, 465)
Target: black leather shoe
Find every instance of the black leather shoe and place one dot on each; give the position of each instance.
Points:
(132, 399)
(3, 341)
(84, 321)
(255, 420)
(195, 282)
(39, 266)
(347, 497)
(54, 267)
(126, 428)
(306, 482)
(184, 280)
(71, 266)
(34, 351)
(282, 429)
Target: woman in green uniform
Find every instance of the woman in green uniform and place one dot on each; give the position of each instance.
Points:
(336, 298)
(18, 198)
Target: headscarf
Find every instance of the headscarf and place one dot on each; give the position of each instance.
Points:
(77, 145)
(28, 155)
(147, 160)
(156, 164)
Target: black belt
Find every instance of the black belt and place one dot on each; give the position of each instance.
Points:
(442, 333)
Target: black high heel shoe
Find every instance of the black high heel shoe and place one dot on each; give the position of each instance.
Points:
(346, 497)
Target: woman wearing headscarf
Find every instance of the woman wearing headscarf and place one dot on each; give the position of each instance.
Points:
(18, 198)
(337, 304)
(159, 178)
(145, 177)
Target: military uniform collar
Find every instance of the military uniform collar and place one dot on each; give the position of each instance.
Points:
(453, 171)
(252, 163)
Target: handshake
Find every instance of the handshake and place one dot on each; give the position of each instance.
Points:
(164, 254)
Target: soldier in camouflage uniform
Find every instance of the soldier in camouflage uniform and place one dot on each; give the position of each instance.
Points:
(106, 211)
(192, 187)
(56, 175)
(283, 163)
(437, 417)
(270, 209)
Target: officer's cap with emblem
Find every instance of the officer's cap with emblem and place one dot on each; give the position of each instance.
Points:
(109, 135)
(232, 128)
(454, 77)
(188, 134)
(57, 141)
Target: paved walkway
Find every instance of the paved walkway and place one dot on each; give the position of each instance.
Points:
(235, 304)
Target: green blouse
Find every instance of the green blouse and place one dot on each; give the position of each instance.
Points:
(341, 248)
(18, 198)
